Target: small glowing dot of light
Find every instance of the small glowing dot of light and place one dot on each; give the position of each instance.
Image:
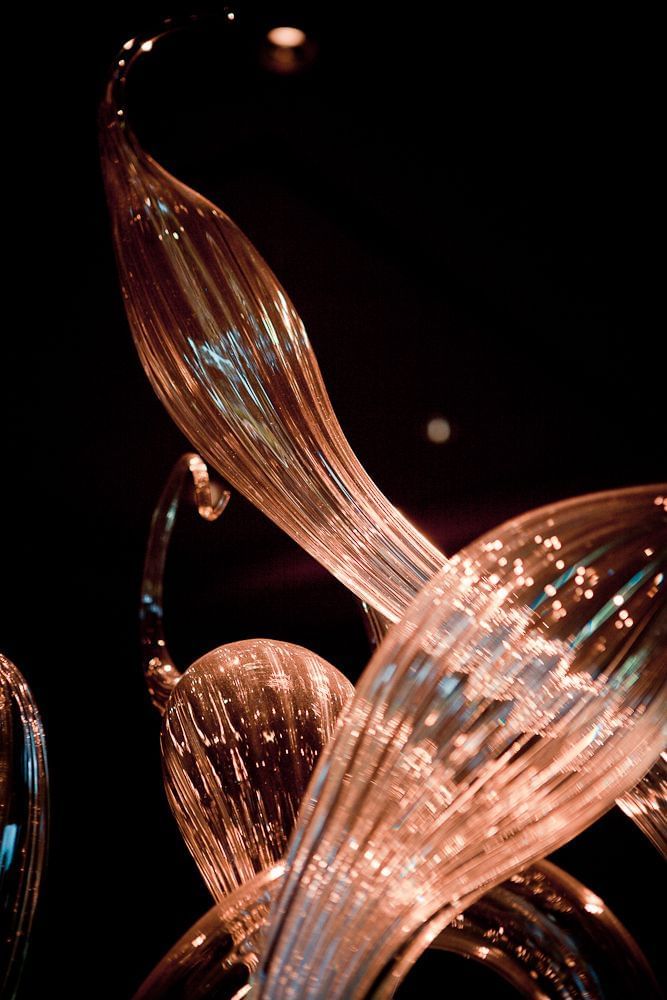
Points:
(147, 46)
(438, 430)
(286, 38)
(618, 600)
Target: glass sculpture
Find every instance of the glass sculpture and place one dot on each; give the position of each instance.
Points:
(228, 356)
(23, 820)
(478, 740)
(230, 359)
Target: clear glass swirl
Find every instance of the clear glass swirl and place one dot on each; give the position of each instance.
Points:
(488, 729)
(23, 820)
(229, 358)
(542, 931)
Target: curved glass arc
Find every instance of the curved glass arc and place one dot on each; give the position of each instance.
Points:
(551, 937)
(571, 948)
(482, 735)
(23, 820)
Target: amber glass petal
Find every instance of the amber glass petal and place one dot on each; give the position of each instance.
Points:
(488, 729)
(229, 357)
(23, 819)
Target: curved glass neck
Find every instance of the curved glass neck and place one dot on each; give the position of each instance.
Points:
(228, 356)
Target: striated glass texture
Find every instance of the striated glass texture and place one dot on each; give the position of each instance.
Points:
(552, 939)
(242, 727)
(488, 729)
(551, 558)
(23, 820)
(542, 931)
(240, 737)
(218, 955)
(229, 358)
(525, 909)
(646, 804)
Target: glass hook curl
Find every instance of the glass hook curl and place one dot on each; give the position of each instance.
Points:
(189, 470)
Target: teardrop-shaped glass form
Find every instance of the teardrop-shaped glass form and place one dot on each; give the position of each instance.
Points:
(487, 730)
(241, 733)
(23, 820)
(570, 948)
(229, 357)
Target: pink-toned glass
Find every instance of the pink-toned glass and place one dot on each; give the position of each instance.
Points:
(229, 357)
(542, 931)
(494, 723)
(242, 726)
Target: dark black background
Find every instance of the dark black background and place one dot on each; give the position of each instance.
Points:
(462, 211)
